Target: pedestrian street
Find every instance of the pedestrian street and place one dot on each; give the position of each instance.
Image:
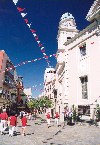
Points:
(38, 133)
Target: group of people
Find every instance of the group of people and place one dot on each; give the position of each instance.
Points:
(48, 117)
(11, 122)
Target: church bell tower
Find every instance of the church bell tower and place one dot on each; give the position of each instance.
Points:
(67, 29)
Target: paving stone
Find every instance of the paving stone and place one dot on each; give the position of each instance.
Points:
(42, 135)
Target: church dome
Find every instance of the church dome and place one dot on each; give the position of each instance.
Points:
(67, 16)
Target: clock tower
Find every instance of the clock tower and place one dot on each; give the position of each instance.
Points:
(67, 29)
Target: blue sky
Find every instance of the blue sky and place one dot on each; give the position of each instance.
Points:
(19, 43)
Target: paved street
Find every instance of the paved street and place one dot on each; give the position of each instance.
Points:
(38, 134)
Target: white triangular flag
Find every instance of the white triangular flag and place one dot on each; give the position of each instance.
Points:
(35, 59)
(50, 56)
(34, 34)
(23, 14)
(38, 42)
(42, 48)
(29, 25)
(44, 53)
(29, 61)
(23, 62)
(15, 1)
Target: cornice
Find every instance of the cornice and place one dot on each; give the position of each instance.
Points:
(94, 11)
(87, 29)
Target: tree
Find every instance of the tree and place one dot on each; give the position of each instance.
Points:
(33, 104)
(43, 102)
(46, 102)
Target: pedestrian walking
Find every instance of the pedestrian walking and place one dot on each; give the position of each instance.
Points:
(24, 124)
(12, 124)
(48, 119)
(21, 114)
(70, 117)
(57, 116)
(4, 118)
(30, 116)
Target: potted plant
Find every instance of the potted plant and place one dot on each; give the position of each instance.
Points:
(98, 114)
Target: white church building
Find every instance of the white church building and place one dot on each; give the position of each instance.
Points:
(78, 63)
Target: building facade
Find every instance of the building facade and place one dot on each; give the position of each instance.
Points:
(49, 86)
(7, 79)
(78, 66)
(77, 70)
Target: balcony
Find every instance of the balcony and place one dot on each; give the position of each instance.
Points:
(7, 73)
(60, 68)
(9, 84)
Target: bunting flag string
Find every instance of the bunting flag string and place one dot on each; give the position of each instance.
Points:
(38, 85)
(40, 45)
(41, 90)
(33, 87)
(26, 62)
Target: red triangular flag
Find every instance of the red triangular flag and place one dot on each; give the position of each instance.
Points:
(20, 9)
(26, 21)
(54, 55)
(36, 38)
(40, 44)
(46, 56)
(32, 30)
(39, 58)
(26, 61)
(43, 50)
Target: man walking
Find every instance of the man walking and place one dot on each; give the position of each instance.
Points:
(4, 118)
(24, 124)
(57, 118)
(48, 119)
(12, 125)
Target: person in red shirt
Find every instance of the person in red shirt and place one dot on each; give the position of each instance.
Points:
(12, 124)
(48, 119)
(4, 118)
(24, 124)
(57, 118)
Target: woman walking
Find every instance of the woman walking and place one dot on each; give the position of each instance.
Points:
(12, 124)
(24, 124)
